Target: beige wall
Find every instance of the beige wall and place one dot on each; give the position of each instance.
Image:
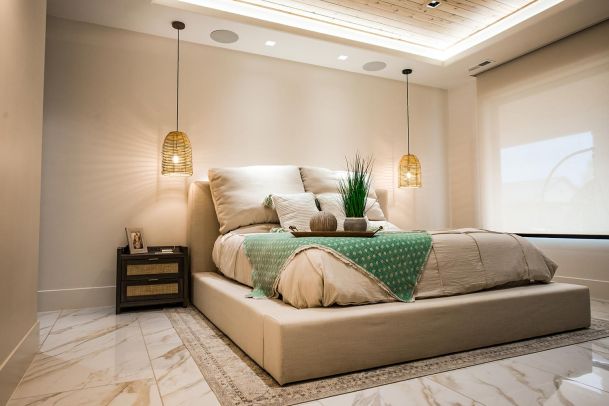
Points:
(22, 30)
(110, 99)
(462, 152)
(581, 56)
(583, 262)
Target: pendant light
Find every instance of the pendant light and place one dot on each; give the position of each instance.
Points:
(410, 167)
(177, 152)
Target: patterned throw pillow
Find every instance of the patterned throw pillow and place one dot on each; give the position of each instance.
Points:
(295, 209)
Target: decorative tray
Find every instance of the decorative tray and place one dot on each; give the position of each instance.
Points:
(364, 234)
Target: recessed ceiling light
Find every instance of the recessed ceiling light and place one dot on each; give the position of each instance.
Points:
(374, 66)
(433, 4)
(224, 36)
(343, 57)
(270, 43)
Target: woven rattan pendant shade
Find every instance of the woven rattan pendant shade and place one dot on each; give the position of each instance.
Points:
(177, 155)
(177, 152)
(410, 171)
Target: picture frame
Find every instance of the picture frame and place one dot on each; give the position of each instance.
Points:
(135, 238)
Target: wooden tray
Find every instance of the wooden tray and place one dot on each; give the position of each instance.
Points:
(364, 234)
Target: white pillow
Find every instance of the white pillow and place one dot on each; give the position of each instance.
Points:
(239, 193)
(322, 180)
(374, 211)
(295, 209)
(333, 203)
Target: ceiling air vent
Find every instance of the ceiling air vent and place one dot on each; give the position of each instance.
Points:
(481, 64)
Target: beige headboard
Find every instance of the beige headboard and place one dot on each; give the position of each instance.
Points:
(203, 224)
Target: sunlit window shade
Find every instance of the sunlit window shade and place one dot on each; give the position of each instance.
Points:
(545, 150)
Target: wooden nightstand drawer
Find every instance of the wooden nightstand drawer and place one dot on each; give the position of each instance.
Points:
(152, 268)
(152, 289)
(168, 288)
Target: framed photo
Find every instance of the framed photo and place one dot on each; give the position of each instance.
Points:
(137, 244)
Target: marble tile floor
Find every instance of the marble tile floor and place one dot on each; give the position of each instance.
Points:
(95, 357)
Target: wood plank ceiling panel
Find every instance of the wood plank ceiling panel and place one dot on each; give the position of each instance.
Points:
(360, 9)
(405, 20)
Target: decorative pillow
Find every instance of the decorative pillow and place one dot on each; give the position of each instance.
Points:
(374, 211)
(322, 180)
(239, 193)
(333, 203)
(295, 209)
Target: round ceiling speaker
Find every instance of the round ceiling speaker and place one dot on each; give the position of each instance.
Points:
(224, 36)
(374, 66)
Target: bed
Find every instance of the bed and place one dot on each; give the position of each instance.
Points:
(294, 344)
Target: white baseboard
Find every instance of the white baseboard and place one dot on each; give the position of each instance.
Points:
(13, 368)
(77, 298)
(598, 289)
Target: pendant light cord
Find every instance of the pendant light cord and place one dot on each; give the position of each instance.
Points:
(178, 87)
(407, 114)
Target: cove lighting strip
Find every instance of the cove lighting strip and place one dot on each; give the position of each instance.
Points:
(278, 13)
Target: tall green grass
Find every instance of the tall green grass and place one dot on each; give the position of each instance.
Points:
(354, 188)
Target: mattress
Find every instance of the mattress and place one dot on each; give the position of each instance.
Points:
(461, 261)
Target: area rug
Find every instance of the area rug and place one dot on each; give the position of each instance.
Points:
(237, 380)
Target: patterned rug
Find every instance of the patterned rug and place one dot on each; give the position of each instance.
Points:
(237, 380)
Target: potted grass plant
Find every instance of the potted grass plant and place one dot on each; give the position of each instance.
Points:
(354, 190)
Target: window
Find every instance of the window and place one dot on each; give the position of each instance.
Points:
(544, 148)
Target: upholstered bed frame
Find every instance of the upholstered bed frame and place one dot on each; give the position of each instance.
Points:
(297, 344)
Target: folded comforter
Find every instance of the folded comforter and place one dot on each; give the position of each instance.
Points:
(460, 261)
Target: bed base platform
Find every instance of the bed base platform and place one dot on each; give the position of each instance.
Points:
(298, 344)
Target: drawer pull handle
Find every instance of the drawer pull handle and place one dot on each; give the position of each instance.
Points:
(153, 259)
(153, 279)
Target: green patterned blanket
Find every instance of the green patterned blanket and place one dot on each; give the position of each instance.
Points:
(393, 259)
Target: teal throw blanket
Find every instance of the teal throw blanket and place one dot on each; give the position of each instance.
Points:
(394, 260)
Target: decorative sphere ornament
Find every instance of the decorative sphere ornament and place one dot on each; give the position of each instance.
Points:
(323, 221)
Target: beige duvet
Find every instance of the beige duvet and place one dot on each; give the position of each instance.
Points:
(460, 261)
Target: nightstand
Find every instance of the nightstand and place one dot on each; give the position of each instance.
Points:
(153, 278)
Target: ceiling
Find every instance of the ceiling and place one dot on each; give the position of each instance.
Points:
(442, 33)
(409, 21)
(445, 30)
